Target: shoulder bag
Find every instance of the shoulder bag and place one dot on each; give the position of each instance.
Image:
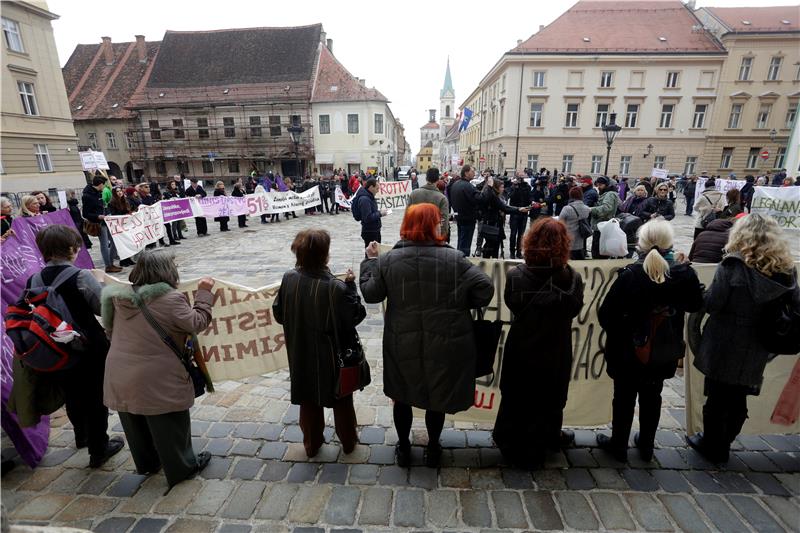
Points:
(584, 226)
(92, 229)
(352, 368)
(185, 356)
(487, 336)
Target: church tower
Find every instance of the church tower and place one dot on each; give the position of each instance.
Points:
(447, 100)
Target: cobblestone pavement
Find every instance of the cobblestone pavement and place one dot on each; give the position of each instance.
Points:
(260, 480)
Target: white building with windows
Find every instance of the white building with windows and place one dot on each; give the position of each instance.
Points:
(354, 128)
(545, 101)
(38, 145)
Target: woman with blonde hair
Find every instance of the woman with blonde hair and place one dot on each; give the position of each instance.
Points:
(29, 206)
(643, 317)
(757, 270)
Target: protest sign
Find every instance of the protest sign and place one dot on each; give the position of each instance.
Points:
(283, 202)
(20, 260)
(719, 185)
(341, 199)
(391, 195)
(659, 173)
(223, 206)
(261, 203)
(131, 233)
(180, 209)
(91, 160)
(781, 203)
(760, 407)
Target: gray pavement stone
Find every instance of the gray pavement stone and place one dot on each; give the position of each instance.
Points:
(508, 509)
(303, 472)
(486, 479)
(423, 477)
(608, 478)
(199, 427)
(335, 473)
(409, 508)
(268, 431)
(244, 500)
(363, 474)
(755, 514)
(376, 507)
(247, 468)
(767, 483)
(490, 457)
(199, 443)
(605, 460)
(219, 446)
(613, 513)
(782, 443)
(465, 458)
(786, 461)
(234, 528)
(96, 483)
(577, 512)
(733, 482)
(580, 457)
(785, 509)
(212, 496)
(695, 460)
(703, 481)
(305, 529)
(683, 513)
(542, 510)
(454, 477)
(217, 468)
(191, 525)
(790, 481)
(753, 443)
(669, 458)
(272, 450)
(342, 506)
(453, 439)
(669, 439)
(585, 438)
(292, 415)
(549, 479)
(381, 455)
(246, 447)
(293, 434)
(68, 480)
(517, 479)
(149, 525)
(219, 430)
(442, 508)
(579, 479)
(757, 461)
(481, 439)
(475, 508)
(114, 524)
(275, 471)
(275, 504)
(126, 486)
(393, 475)
(640, 480)
(56, 456)
(723, 517)
(245, 430)
(672, 481)
(372, 435)
(649, 512)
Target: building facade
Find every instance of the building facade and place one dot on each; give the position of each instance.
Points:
(39, 145)
(425, 158)
(758, 91)
(545, 102)
(355, 128)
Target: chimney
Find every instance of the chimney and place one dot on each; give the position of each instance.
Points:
(330, 45)
(541, 27)
(141, 49)
(433, 115)
(108, 51)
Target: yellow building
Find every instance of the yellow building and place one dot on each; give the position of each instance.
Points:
(425, 158)
(39, 145)
(758, 90)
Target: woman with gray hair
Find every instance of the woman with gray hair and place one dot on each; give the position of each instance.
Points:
(145, 381)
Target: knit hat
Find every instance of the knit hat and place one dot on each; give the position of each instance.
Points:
(602, 180)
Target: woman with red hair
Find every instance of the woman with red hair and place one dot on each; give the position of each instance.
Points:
(544, 295)
(425, 284)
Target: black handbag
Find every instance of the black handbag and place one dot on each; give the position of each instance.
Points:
(584, 226)
(184, 356)
(490, 232)
(352, 368)
(487, 337)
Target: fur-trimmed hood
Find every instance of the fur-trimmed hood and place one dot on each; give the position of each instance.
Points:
(126, 301)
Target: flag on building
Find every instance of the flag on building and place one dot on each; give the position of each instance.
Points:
(465, 121)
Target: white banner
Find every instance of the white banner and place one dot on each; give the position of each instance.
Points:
(283, 202)
(659, 173)
(92, 160)
(391, 195)
(131, 233)
(719, 185)
(781, 203)
(342, 200)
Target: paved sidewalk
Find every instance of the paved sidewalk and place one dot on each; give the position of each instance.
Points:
(260, 480)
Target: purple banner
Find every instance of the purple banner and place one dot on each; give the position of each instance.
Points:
(223, 206)
(178, 209)
(20, 260)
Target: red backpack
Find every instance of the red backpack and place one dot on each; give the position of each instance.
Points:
(41, 326)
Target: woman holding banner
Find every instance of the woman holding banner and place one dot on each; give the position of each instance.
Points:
(643, 317)
(544, 294)
(429, 353)
(174, 192)
(757, 271)
(219, 190)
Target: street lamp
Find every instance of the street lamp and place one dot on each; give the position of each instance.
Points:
(610, 131)
(296, 133)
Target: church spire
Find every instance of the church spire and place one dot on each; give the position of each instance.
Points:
(448, 82)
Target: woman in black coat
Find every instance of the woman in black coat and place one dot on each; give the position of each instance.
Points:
(659, 205)
(493, 227)
(239, 193)
(173, 192)
(310, 303)
(219, 190)
(656, 289)
(544, 294)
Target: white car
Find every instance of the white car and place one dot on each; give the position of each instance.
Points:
(403, 174)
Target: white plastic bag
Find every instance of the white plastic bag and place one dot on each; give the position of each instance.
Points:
(613, 242)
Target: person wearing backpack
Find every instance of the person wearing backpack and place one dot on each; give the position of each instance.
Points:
(82, 378)
(710, 204)
(365, 210)
(576, 217)
(643, 318)
(757, 272)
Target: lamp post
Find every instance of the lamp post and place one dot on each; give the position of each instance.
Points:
(610, 131)
(296, 133)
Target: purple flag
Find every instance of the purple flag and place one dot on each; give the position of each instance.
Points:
(20, 260)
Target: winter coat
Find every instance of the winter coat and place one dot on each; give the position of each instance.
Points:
(689, 189)
(74, 213)
(590, 196)
(143, 375)
(633, 296)
(199, 191)
(303, 307)
(220, 192)
(430, 194)
(634, 205)
(428, 343)
(494, 208)
(709, 201)
(664, 208)
(538, 351)
(729, 349)
(708, 246)
(366, 204)
(466, 201)
(574, 212)
(92, 201)
(746, 194)
(606, 207)
(519, 195)
(169, 195)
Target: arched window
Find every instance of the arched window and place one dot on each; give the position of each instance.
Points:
(447, 111)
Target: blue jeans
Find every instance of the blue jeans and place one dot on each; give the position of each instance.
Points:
(465, 233)
(107, 248)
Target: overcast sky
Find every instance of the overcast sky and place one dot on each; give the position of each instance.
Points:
(400, 48)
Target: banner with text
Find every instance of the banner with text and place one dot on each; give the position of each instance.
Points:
(719, 185)
(391, 195)
(264, 203)
(131, 233)
(180, 209)
(781, 203)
